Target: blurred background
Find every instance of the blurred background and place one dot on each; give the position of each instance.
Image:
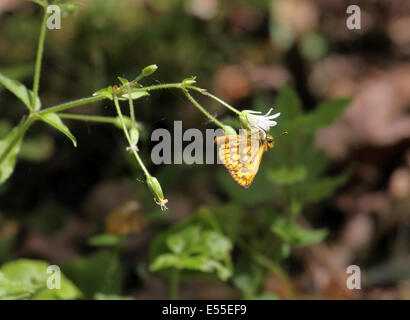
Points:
(333, 193)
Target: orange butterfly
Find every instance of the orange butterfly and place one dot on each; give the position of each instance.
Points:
(242, 154)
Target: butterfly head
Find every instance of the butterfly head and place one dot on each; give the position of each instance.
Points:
(269, 140)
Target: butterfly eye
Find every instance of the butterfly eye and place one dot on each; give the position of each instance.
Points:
(269, 140)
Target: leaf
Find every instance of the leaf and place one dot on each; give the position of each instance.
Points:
(325, 114)
(104, 239)
(123, 80)
(7, 165)
(288, 104)
(105, 92)
(108, 93)
(287, 176)
(20, 91)
(134, 95)
(29, 278)
(55, 121)
(12, 290)
(217, 245)
(193, 248)
(164, 261)
(189, 81)
(294, 234)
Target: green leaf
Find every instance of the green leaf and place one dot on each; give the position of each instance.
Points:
(288, 104)
(193, 248)
(134, 95)
(189, 81)
(123, 80)
(217, 245)
(12, 290)
(20, 91)
(55, 121)
(108, 93)
(164, 261)
(325, 114)
(7, 165)
(294, 234)
(286, 176)
(27, 277)
(105, 92)
(104, 239)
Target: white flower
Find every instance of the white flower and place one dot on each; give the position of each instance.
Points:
(258, 122)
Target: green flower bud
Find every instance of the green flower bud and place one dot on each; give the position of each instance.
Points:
(189, 81)
(229, 130)
(147, 71)
(156, 190)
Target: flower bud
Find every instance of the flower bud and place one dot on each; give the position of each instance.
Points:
(147, 71)
(156, 190)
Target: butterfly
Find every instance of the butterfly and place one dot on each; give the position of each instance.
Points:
(242, 154)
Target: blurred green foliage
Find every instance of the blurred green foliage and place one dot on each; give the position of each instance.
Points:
(27, 279)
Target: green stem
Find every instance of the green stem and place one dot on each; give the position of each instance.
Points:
(37, 70)
(26, 124)
(200, 108)
(137, 156)
(71, 104)
(206, 93)
(131, 103)
(82, 117)
(124, 127)
(174, 285)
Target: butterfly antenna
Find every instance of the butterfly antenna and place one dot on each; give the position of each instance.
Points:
(282, 134)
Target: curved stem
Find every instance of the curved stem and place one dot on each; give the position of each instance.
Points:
(206, 93)
(206, 113)
(131, 104)
(124, 127)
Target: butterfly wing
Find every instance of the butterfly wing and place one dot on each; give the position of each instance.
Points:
(240, 157)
